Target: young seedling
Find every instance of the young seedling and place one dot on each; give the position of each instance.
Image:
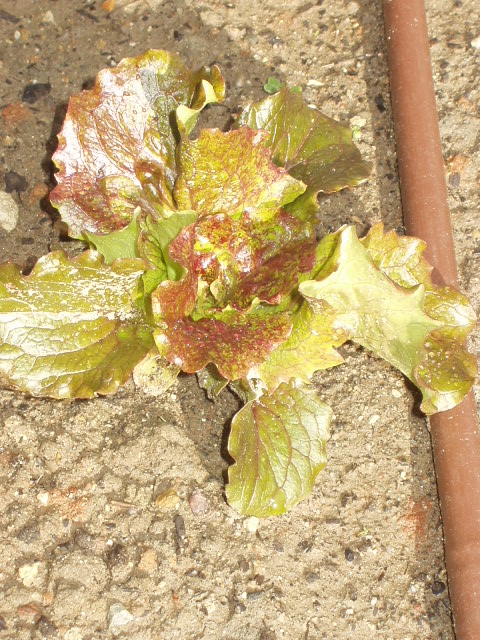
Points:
(203, 258)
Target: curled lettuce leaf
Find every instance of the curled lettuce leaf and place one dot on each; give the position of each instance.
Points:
(243, 248)
(248, 260)
(156, 237)
(447, 370)
(312, 147)
(72, 327)
(117, 147)
(210, 380)
(420, 328)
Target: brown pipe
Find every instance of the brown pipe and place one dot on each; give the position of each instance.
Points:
(455, 437)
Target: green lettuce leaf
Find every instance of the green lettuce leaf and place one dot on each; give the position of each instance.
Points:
(313, 148)
(232, 173)
(309, 348)
(278, 442)
(117, 147)
(233, 342)
(117, 244)
(156, 237)
(175, 299)
(172, 299)
(396, 322)
(72, 327)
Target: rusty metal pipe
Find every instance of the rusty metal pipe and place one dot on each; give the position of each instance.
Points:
(455, 436)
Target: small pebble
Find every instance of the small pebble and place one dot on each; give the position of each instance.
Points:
(43, 497)
(30, 612)
(251, 524)
(212, 19)
(35, 91)
(353, 7)
(168, 499)
(358, 121)
(48, 18)
(28, 573)
(8, 212)
(396, 393)
(15, 182)
(454, 179)
(46, 628)
(148, 561)
(198, 504)
(476, 43)
(235, 33)
(180, 526)
(118, 617)
(380, 102)
(311, 576)
(108, 5)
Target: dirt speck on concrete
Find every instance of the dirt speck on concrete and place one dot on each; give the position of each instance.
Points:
(113, 522)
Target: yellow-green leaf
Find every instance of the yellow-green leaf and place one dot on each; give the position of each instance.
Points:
(71, 329)
(278, 443)
(419, 328)
(309, 348)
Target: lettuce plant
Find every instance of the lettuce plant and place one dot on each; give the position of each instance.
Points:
(203, 258)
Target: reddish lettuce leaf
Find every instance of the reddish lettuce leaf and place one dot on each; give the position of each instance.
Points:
(234, 343)
(249, 260)
(243, 247)
(234, 263)
(278, 443)
(117, 146)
